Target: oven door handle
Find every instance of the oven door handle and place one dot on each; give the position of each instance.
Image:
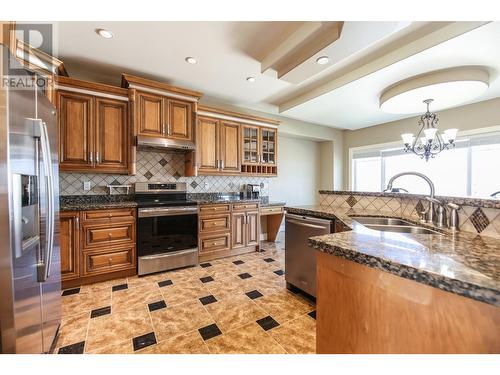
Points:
(166, 255)
(152, 212)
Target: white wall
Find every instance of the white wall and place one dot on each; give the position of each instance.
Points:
(299, 172)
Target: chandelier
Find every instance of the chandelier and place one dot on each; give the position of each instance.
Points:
(429, 142)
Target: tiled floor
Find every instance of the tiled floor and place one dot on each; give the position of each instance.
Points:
(232, 305)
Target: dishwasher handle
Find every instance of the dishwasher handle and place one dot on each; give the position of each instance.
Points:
(303, 224)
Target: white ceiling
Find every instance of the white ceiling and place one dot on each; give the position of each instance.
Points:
(228, 52)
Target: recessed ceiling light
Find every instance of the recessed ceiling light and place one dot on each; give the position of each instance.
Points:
(448, 88)
(323, 60)
(251, 79)
(191, 60)
(104, 33)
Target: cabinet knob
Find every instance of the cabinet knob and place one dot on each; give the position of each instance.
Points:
(214, 243)
(110, 261)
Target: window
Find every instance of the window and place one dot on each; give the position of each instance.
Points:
(471, 168)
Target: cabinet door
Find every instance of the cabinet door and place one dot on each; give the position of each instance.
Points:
(180, 122)
(250, 144)
(76, 138)
(230, 147)
(150, 114)
(268, 144)
(111, 136)
(207, 144)
(70, 244)
(238, 230)
(253, 228)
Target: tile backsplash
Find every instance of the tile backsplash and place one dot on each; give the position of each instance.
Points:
(481, 220)
(158, 166)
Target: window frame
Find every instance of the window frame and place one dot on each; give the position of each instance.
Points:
(397, 144)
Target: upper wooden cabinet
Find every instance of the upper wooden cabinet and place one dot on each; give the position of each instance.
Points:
(162, 110)
(218, 146)
(93, 127)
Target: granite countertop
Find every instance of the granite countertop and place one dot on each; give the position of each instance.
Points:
(102, 202)
(462, 263)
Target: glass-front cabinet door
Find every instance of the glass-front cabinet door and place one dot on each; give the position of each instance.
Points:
(250, 144)
(268, 142)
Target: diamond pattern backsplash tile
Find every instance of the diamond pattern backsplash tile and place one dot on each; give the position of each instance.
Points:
(157, 166)
(479, 220)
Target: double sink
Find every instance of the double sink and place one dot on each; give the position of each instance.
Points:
(392, 225)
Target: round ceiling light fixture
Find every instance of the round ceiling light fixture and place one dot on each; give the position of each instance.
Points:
(104, 33)
(323, 60)
(448, 88)
(191, 60)
(251, 79)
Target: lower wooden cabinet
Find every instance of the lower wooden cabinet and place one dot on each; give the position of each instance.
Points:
(101, 247)
(69, 238)
(228, 229)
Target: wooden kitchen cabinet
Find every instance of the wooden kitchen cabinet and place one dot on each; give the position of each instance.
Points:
(69, 239)
(253, 228)
(218, 146)
(251, 144)
(180, 123)
(94, 134)
(150, 114)
(238, 230)
(76, 131)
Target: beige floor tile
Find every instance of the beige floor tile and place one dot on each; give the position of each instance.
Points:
(235, 312)
(297, 336)
(73, 329)
(179, 319)
(249, 339)
(122, 347)
(84, 302)
(226, 288)
(117, 327)
(125, 299)
(183, 292)
(284, 307)
(188, 343)
(105, 285)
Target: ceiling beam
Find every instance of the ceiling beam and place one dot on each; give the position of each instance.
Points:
(302, 44)
(433, 34)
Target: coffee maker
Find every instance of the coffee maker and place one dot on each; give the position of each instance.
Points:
(252, 191)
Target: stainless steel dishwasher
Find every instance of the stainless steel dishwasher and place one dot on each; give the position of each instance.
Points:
(300, 259)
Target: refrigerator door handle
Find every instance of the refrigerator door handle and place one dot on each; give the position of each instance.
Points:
(49, 183)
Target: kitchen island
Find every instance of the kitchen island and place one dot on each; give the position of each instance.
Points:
(386, 292)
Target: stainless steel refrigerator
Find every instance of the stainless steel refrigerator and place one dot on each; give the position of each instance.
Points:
(30, 276)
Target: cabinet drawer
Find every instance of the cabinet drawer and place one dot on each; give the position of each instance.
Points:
(214, 208)
(271, 210)
(245, 206)
(109, 261)
(106, 216)
(98, 235)
(216, 223)
(215, 243)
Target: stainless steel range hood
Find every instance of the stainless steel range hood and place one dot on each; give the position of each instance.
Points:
(157, 143)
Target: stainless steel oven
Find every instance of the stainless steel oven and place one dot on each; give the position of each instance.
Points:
(167, 228)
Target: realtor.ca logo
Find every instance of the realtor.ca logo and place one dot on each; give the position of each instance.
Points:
(18, 64)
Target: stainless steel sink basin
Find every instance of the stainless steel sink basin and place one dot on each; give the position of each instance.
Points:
(392, 225)
(380, 221)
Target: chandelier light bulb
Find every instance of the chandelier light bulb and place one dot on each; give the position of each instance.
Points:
(449, 135)
(430, 133)
(407, 138)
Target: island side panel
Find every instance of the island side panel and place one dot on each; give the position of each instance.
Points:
(365, 310)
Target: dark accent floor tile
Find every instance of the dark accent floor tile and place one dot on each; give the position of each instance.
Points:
(207, 300)
(206, 279)
(254, 294)
(279, 272)
(73, 348)
(157, 305)
(267, 323)
(209, 332)
(268, 260)
(119, 287)
(69, 292)
(245, 275)
(205, 265)
(163, 283)
(100, 312)
(312, 314)
(238, 262)
(141, 342)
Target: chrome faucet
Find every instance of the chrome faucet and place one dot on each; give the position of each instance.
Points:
(432, 200)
